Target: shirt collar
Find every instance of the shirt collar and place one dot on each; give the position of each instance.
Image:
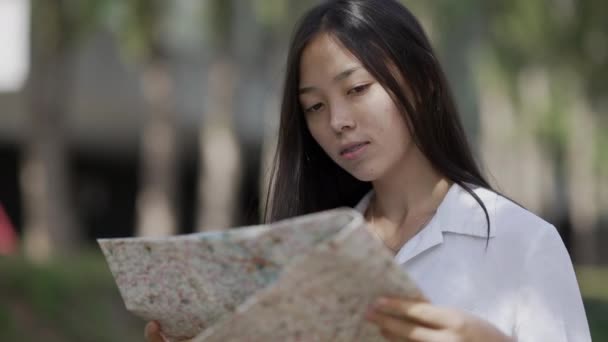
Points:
(458, 212)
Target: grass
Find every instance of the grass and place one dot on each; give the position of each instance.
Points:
(593, 281)
(71, 299)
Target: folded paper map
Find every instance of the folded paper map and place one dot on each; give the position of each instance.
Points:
(310, 278)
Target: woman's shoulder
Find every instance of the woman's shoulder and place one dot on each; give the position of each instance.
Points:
(530, 254)
(521, 237)
(511, 220)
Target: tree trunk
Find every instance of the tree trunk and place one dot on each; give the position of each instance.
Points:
(582, 184)
(158, 165)
(219, 177)
(50, 225)
(220, 154)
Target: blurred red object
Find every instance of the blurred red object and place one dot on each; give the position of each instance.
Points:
(8, 237)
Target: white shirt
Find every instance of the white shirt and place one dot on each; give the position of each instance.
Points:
(523, 283)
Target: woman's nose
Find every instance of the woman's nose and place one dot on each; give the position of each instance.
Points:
(341, 120)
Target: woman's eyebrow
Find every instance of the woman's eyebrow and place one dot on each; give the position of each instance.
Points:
(339, 77)
(344, 74)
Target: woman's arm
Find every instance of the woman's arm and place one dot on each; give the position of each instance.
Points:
(550, 307)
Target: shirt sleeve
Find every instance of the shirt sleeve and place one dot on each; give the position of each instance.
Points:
(550, 307)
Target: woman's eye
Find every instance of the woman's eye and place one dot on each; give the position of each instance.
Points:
(358, 89)
(314, 108)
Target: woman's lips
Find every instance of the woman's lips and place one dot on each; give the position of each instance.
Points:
(354, 151)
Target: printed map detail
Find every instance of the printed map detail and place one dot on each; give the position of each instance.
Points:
(309, 278)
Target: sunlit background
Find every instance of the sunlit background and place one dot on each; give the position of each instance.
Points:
(143, 117)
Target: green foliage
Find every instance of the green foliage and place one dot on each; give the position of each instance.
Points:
(70, 299)
(592, 281)
(62, 24)
(551, 127)
(601, 154)
(139, 26)
(271, 14)
(567, 39)
(597, 315)
(217, 18)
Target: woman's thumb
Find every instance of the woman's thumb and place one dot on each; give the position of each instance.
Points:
(152, 333)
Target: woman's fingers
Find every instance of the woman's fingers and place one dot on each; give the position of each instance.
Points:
(399, 329)
(422, 312)
(152, 332)
(391, 337)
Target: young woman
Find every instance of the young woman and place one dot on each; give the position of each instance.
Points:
(368, 121)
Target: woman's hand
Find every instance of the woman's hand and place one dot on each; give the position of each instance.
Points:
(153, 334)
(402, 319)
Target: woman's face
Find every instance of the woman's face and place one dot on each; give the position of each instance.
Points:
(350, 115)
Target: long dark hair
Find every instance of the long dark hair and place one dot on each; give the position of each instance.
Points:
(385, 37)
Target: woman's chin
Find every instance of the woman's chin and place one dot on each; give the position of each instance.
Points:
(364, 176)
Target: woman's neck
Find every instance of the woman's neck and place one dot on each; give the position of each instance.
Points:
(413, 189)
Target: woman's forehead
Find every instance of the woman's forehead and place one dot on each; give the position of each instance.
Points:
(325, 58)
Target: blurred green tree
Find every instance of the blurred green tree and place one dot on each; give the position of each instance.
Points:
(140, 28)
(57, 27)
(550, 58)
(565, 43)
